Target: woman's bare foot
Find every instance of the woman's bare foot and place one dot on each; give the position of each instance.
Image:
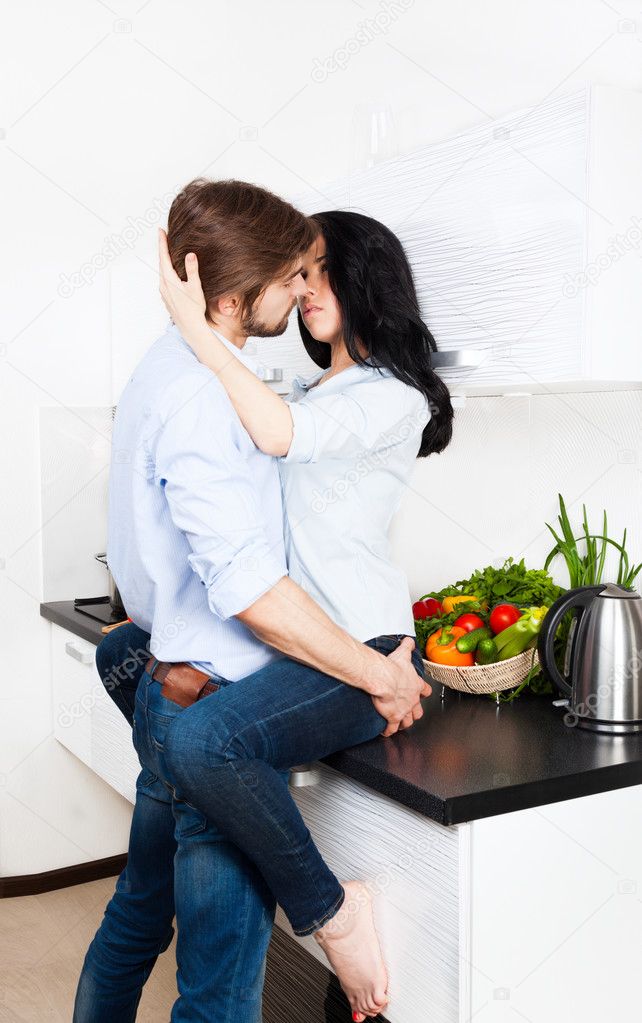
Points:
(350, 942)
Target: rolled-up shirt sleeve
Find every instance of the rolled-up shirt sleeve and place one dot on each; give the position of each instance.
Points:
(371, 415)
(212, 497)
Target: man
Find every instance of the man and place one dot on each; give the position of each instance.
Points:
(196, 547)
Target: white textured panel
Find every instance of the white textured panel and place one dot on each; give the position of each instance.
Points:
(492, 220)
(113, 756)
(557, 914)
(412, 866)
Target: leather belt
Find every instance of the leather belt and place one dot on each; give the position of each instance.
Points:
(181, 683)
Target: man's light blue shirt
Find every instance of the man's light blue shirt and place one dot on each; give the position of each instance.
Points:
(195, 514)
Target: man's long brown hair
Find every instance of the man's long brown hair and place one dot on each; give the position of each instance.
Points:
(244, 237)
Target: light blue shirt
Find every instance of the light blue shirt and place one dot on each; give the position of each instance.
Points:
(195, 513)
(356, 438)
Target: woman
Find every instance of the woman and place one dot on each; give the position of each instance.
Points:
(346, 441)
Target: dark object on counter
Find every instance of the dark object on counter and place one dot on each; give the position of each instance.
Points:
(99, 609)
(116, 601)
(603, 683)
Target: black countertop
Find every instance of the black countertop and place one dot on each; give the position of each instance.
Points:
(468, 758)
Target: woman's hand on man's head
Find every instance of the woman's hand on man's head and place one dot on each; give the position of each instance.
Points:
(184, 300)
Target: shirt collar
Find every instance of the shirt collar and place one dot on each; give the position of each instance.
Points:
(305, 383)
(247, 357)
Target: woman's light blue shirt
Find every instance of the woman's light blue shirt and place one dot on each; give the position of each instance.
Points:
(356, 438)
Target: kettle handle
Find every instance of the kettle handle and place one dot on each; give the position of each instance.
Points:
(580, 597)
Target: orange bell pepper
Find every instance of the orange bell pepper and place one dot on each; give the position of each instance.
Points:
(442, 648)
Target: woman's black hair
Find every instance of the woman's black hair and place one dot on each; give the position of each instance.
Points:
(371, 279)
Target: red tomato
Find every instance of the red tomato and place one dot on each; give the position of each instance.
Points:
(469, 622)
(502, 616)
(426, 608)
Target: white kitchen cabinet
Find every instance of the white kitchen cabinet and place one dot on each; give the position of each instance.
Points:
(501, 917)
(73, 674)
(113, 756)
(524, 234)
(86, 721)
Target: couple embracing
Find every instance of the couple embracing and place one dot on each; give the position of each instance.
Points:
(296, 630)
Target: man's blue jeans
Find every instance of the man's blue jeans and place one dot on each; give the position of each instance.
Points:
(287, 713)
(228, 756)
(224, 909)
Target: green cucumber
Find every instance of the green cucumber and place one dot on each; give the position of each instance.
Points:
(486, 652)
(466, 644)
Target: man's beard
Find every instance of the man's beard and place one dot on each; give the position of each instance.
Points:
(253, 327)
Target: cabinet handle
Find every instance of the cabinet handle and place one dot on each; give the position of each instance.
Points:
(271, 376)
(304, 774)
(84, 656)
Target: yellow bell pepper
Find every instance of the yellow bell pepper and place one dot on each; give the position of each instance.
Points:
(448, 603)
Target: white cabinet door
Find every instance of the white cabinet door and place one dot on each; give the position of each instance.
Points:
(523, 234)
(113, 756)
(74, 682)
(556, 905)
(418, 873)
(86, 720)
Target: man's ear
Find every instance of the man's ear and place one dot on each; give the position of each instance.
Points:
(228, 305)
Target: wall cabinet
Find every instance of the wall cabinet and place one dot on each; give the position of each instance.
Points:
(524, 234)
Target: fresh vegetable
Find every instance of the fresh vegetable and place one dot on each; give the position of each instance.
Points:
(512, 583)
(448, 603)
(466, 644)
(532, 591)
(441, 648)
(587, 569)
(504, 615)
(426, 626)
(486, 652)
(426, 608)
(516, 638)
(469, 622)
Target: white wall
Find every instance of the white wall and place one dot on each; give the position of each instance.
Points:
(107, 109)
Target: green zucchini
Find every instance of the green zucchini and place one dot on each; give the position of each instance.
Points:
(466, 644)
(486, 652)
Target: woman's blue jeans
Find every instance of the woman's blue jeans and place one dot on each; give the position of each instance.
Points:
(226, 757)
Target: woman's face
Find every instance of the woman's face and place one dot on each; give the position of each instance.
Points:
(318, 306)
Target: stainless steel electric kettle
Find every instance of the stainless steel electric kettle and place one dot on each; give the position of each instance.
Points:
(603, 662)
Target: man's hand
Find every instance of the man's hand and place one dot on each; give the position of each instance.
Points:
(400, 705)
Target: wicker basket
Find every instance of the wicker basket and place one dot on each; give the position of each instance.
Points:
(484, 678)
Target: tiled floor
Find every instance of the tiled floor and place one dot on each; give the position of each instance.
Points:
(43, 940)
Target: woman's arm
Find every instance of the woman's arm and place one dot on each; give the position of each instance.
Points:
(264, 414)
